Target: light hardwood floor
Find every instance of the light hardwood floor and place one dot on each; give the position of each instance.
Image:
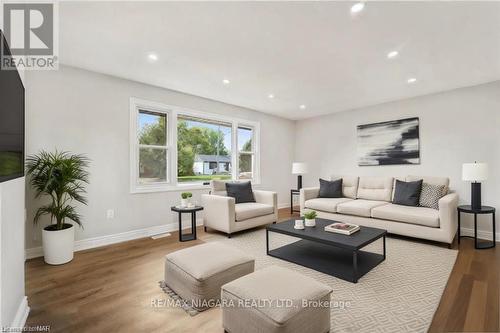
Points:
(115, 289)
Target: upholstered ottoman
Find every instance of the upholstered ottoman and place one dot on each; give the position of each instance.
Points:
(275, 300)
(197, 273)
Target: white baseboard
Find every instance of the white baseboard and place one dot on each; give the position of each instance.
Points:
(283, 205)
(90, 243)
(488, 235)
(21, 314)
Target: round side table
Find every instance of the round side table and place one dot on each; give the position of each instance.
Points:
(192, 211)
(484, 210)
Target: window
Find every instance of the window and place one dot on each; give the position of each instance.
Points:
(245, 153)
(174, 148)
(203, 150)
(152, 137)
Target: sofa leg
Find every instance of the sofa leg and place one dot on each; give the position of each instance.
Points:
(274, 222)
(205, 229)
(228, 235)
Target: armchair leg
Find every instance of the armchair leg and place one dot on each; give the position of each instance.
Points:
(205, 229)
(274, 222)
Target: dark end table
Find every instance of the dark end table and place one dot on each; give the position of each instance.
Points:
(484, 210)
(192, 210)
(292, 193)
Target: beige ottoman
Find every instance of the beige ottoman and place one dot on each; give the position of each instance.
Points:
(273, 300)
(197, 273)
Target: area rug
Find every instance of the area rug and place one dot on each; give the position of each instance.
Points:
(399, 295)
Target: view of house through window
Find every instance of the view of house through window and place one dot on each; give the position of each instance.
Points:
(245, 153)
(152, 147)
(203, 150)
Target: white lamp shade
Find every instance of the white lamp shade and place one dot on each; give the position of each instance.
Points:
(474, 172)
(299, 168)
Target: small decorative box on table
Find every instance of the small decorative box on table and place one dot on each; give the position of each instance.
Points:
(192, 210)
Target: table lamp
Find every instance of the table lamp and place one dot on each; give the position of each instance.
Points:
(299, 168)
(475, 173)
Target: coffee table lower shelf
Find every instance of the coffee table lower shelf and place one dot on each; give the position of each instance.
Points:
(341, 263)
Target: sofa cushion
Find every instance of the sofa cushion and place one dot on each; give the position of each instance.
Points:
(431, 180)
(415, 215)
(359, 207)
(349, 186)
(330, 189)
(375, 188)
(248, 210)
(241, 192)
(430, 195)
(407, 193)
(325, 204)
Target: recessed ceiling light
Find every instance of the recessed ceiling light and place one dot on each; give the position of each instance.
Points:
(152, 57)
(302, 106)
(357, 7)
(226, 81)
(271, 96)
(412, 80)
(392, 54)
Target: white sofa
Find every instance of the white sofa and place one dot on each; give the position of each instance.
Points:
(367, 201)
(222, 213)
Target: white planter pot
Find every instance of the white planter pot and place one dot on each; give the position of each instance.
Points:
(58, 245)
(184, 203)
(310, 222)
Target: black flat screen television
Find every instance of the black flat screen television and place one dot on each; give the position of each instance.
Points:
(11, 119)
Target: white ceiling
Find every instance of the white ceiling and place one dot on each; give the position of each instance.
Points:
(312, 53)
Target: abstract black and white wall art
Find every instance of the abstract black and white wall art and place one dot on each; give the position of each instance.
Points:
(389, 142)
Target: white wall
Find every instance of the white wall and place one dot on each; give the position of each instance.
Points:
(458, 126)
(13, 306)
(86, 112)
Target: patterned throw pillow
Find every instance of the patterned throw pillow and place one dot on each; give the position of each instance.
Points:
(431, 194)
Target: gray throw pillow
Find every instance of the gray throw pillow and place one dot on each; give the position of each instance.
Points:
(330, 189)
(430, 195)
(407, 193)
(241, 192)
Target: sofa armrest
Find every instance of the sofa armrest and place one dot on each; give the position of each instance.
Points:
(306, 194)
(266, 197)
(448, 213)
(218, 212)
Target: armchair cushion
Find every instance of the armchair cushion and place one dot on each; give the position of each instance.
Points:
(248, 210)
(241, 192)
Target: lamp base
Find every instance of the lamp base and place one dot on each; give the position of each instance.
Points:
(299, 182)
(475, 196)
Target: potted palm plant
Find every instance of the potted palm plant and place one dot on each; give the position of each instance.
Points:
(61, 177)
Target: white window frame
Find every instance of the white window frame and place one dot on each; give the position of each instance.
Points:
(173, 112)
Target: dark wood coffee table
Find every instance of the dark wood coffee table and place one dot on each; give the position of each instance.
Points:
(330, 253)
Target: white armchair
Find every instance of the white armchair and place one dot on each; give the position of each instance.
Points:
(223, 214)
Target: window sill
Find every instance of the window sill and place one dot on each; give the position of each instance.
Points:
(175, 188)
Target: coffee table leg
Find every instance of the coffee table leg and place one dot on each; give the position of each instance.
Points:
(458, 227)
(267, 241)
(355, 266)
(384, 246)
